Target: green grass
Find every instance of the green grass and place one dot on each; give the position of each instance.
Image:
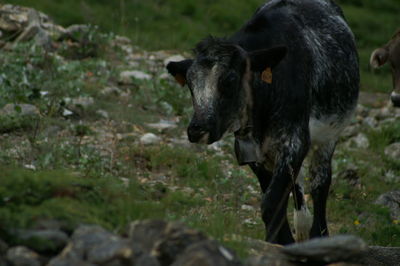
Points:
(82, 167)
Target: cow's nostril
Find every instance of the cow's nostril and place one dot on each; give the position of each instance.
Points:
(196, 132)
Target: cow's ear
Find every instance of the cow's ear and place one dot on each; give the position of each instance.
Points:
(379, 57)
(179, 69)
(266, 58)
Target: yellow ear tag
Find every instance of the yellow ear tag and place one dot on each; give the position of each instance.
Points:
(266, 75)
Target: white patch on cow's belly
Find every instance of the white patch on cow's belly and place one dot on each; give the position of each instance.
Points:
(326, 129)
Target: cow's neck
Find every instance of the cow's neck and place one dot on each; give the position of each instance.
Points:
(246, 148)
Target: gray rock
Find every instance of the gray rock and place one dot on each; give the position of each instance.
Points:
(207, 253)
(393, 151)
(392, 201)
(128, 77)
(340, 248)
(43, 241)
(380, 256)
(144, 234)
(146, 260)
(150, 139)
(24, 109)
(62, 261)
(3, 247)
(96, 245)
(260, 248)
(115, 250)
(268, 260)
(174, 240)
(22, 256)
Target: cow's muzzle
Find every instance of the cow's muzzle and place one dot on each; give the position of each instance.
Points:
(395, 97)
(198, 133)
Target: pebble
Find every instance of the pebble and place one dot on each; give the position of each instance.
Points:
(127, 77)
(393, 151)
(150, 139)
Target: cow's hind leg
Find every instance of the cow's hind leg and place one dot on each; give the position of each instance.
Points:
(321, 176)
(302, 218)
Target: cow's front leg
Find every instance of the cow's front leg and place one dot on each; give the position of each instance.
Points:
(264, 178)
(275, 199)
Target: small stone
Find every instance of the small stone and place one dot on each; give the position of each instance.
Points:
(393, 151)
(362, 111)
(391, 200)
(150, 139)
(83, 101)
(162, 125)
(67, 112)
(370, 121)
(127, 77)
(103, 114)
(360, 141)
(122, 40)
(111, 90)
(391, 177)
(22, 256)
(249, 221)
(247, 207)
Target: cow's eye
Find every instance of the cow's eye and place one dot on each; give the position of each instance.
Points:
(229, 80)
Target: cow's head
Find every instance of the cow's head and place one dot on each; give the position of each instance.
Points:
(390, 53)
(219, 78)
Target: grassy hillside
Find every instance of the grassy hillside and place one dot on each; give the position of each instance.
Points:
(91, 166)
(176, 24)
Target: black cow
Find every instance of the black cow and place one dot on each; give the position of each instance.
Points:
(286, 84)
(390, 52)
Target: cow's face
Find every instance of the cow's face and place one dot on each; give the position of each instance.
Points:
(219, 79)
(390, 53)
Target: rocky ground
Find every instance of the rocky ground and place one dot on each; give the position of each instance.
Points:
(112, 111)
